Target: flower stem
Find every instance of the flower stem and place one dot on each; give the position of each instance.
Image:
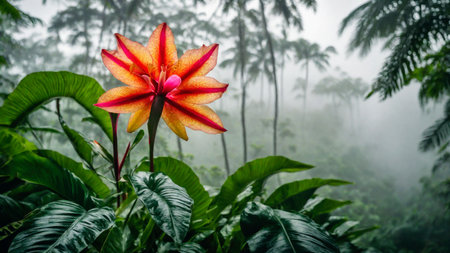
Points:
(114, 119)
(155, 115)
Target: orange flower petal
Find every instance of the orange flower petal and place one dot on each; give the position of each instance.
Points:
(169, 115)
(197, 117)
(162, 48)
(134, 51)
(121, 69)
(196, 62)
(138, 118)
(199, 90)
(124, 99)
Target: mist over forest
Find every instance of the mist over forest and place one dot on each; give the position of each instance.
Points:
(339, 105)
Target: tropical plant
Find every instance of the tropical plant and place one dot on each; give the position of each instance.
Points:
(413, 29)
(311, 53)
(291, 15)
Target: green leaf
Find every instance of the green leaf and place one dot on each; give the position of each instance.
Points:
(259, 169)
(62, 226)
(297, 193)
(188, 247)
(12, 144)
(321, 205)
(89, 177)
(42, 87)
(355, 234)
(114, 242)
(137, 139)
(182, 175)
(272, 230)
(168, 204)
(39, 129)
(81, 146)
(11, 210)
(39, 170)
(345, 227)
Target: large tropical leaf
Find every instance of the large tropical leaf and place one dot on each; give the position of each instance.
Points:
(41, 87)
(168, 204)
(321, 205)
(297, 193)
(81, 146)
(12, 143)
(188, 247)
(272, 230)
(182, 175)
(115, 241)
(62, 226)
(89, 177)
(11, 210)
(259, 169)
(39, 170)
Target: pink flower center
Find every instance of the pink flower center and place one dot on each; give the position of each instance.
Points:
(163, 85)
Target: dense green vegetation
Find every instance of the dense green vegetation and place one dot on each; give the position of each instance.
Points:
(65, 188)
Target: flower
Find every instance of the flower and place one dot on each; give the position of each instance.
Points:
(155, 71)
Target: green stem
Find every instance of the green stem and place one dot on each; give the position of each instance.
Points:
(114, 120)
(129, 213)
(155, 115)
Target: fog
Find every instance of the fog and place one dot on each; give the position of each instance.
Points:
(384, 134)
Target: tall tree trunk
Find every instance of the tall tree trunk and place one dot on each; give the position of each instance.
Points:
(180, 150)
(282, 81)
(243, 59)
(305, 90)
(225, 154)
(261, 95)
(86, 40)
(274, 72)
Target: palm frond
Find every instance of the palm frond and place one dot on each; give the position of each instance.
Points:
(438, 133)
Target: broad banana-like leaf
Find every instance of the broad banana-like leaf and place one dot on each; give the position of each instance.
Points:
(294, 195)
(271, 230)
(182, 175)
(39, 170)
(168, 204)
(259, 169)
(89, 177)
(62, 226)
(42, 87)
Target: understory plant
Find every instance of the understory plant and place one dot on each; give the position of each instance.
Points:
(101, 201)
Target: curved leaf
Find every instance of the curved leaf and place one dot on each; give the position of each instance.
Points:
(272, 230)
(188, 247)
(168, 204)
(11, 210)
(297, 193)
(12, 144)
(259, 169)
(80, 145)
(182, 175)
(41, 87)
(62, 226)
(321, 205)
(39, 170)
(114, 241)
(89, 177)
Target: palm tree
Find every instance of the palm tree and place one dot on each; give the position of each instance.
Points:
(283, 46)
(78, 19)
(307, 53)
(291, 15)
(410, 28)
(239, 58)
(345, 90)
(413, 30)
